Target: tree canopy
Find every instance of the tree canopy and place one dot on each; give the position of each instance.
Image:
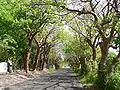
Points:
(39, 34)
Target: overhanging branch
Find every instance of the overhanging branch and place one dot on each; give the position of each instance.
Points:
(82, 12)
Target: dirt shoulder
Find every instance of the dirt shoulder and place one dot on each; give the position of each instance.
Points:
(18, 77)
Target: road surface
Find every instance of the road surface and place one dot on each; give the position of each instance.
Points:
(63, 79)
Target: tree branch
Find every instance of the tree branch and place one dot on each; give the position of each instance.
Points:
(95, 39)
(82, 12)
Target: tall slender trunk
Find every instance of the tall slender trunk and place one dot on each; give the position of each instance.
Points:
(102, 68)
(44, 64)
(93, 58)
(40, 62)
(57, 66)
(45, 56)
(27, 56)
(26, 60)
(83, 66)
(57, 63)
(36, 58)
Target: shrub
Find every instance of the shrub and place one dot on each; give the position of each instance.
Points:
(76, 70)
(90, 78)
(113, 82)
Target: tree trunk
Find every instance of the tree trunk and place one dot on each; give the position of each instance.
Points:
(36, 58)
(57, 62)
(102, 72)
(44, 66)
(93, 58)
(83, 67)
(40, 62)
(57, 66)
(27, 56)
(102, 68)
(26, 60)
(47, 48)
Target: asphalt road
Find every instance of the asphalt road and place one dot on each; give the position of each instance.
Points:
(63, 79)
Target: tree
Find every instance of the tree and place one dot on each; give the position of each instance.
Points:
(10, 31)
(7, 47)
(77, 53)
(117, 58)
(33, 18)
(87, 31)
(105, 22)
(44, 43)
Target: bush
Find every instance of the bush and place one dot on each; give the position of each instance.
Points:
(90, 78)
(110, 58)
(117, 67)
(76, 70)
(113, 82)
